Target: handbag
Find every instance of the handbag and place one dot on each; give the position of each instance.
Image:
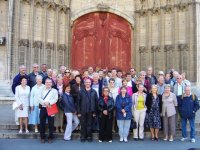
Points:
(59, 103)
(52, 110)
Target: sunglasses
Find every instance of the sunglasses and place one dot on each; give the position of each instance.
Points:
(67, 72)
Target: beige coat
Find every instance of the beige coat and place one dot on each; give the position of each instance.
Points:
(169, 104)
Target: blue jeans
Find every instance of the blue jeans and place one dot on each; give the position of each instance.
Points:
(124, 126)
(184, 128)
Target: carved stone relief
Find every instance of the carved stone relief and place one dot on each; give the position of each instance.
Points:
(183, 47)
(23, 42)
(155, 48)
(142, 49)
(37, 44)
(168, 48)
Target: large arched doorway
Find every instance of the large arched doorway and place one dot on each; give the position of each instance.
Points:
(101, 39)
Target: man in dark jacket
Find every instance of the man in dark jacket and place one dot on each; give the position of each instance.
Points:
(32, 75)
(87, 101)
(17, 78)
(150, 77)
(188, 105)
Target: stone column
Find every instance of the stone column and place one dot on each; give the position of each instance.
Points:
(198, 40)
(9, 41)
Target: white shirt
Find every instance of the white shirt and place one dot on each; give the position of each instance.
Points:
(52, 97)
(35, 91)
(180, 89)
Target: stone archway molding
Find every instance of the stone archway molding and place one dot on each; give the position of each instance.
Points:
(103, 8)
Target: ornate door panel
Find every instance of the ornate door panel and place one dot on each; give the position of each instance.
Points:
(102, 40)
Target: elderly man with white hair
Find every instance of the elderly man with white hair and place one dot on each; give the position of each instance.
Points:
(32, 76)
(34, 103)
(188, 105)
(96, 84)
(17, 78)
(161, 85)
(62, 70)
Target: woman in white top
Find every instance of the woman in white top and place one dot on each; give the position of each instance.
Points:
(22, 93)
(113, 93)
(34, 103)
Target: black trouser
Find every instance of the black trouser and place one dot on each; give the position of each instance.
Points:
(43, 116)
(86, 126)
(105, 128)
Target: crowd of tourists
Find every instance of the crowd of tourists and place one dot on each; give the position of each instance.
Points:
(104, 101)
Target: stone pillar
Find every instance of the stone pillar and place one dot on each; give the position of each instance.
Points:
(9, 38)
(198, 40)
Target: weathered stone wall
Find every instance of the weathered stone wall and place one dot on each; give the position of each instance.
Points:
(165, 36)
(40, 33)
(166, 32)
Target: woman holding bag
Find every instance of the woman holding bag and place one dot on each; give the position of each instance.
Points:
(22, 93)
(105, 107)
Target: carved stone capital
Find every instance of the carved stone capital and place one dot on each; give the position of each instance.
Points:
(168, 9)
(183, 47)
(50, 45)
(168, 48)
(51, 5)
(23, 42)
(142, 49)
(62, 47)
(155, 11)
(62, 8)
(26, 1)
(182, 6)
(103, 6)
(142, 12)
(37, 44)
(39, 3)
(155, 48)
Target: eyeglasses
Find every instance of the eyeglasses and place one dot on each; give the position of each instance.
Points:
(178, 78)
(67, 72)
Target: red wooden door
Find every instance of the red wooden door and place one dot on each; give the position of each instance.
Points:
(102, 40)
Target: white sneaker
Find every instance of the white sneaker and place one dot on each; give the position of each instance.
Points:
(193, 140)
(36, 131)
(183, 139)
(27, 131)
(121, 139)
(20, 131)
(100, 141)
(110, 141)
(125, 139)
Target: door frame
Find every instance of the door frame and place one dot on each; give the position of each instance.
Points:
(129, 19)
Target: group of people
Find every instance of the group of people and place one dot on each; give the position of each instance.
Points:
(106, 101)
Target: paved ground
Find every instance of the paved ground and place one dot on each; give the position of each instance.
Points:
(17, 144)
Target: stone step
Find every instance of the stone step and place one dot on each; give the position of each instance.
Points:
(6, 100)
(13, 134)
(31, 127)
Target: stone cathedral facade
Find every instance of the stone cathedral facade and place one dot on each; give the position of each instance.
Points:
(163, 33)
